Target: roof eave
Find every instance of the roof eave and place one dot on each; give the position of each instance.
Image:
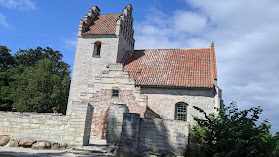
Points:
(181, 87)
(99, 35)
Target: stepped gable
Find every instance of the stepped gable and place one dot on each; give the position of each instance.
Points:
(104, 24)
(172, 67)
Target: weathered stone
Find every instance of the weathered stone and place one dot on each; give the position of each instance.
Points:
(13, 143)
(63, 146)
(130, 131)
(41, 145)
(4, 140)
(26, 143)
(55, 146)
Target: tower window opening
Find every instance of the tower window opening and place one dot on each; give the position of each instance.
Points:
(97, 49)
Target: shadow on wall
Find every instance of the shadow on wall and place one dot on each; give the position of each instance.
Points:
(189, 92)
(88, 124)
(163, 136)
(115, 122)
(149, 135)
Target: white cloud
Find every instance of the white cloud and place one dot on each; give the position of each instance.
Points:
(189, 22)
(246, 42)
(70, 42)
(22, 5)
(4, 22)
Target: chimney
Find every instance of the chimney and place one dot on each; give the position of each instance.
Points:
(212, 44)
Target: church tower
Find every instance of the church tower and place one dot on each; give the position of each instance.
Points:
(102, 39)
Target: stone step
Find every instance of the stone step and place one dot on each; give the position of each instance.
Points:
(92, 149)
(90, 153)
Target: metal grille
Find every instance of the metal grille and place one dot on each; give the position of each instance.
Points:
(115, 93)
(181, 111)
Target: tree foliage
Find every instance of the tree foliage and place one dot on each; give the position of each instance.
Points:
(40, 80)
(234, 133)
(6, 92)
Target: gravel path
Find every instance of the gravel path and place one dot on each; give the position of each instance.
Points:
(28, 152)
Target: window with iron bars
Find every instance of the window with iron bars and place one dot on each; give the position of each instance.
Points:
(181, 111)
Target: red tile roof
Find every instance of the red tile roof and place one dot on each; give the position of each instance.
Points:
(152, 110)
(172, 67)
(103, 24)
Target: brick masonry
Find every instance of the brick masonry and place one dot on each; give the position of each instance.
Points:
(113, 78)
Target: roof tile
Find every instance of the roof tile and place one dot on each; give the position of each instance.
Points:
(103, 24)
(172, 67)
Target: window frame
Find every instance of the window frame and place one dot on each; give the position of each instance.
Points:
(97, 49)
(179, 113)
(115, 93)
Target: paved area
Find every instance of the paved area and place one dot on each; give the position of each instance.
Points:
(97, 149)
(28, 152)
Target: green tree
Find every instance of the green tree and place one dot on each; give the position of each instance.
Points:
(42, 81)
(6, 92)
(233, 133)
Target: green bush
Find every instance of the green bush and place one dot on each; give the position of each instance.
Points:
(233, 133)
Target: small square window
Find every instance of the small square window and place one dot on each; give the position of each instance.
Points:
(115, 93)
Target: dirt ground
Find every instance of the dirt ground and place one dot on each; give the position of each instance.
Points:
(28, 152)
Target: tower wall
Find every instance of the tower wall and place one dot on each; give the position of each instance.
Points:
(86, 67)
(126, 33)
(113, 48)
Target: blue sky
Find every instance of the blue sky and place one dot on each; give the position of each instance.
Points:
(246, 36)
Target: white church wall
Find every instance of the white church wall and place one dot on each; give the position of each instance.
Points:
(163, 101)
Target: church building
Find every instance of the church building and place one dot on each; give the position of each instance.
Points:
(156, 83)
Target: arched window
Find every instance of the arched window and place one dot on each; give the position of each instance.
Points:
(97, 49)
(181, 111)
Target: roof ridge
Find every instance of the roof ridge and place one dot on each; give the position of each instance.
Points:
(112, 14)
(174, 49)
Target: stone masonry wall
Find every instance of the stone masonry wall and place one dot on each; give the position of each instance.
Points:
(113, 48)
(77, 132)
(130, 131)
(57, 128)
(206, 99)
(162, 136)
(32, 125)
(125, 32)
(115, 122)
(86, 67)
(148, 134)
